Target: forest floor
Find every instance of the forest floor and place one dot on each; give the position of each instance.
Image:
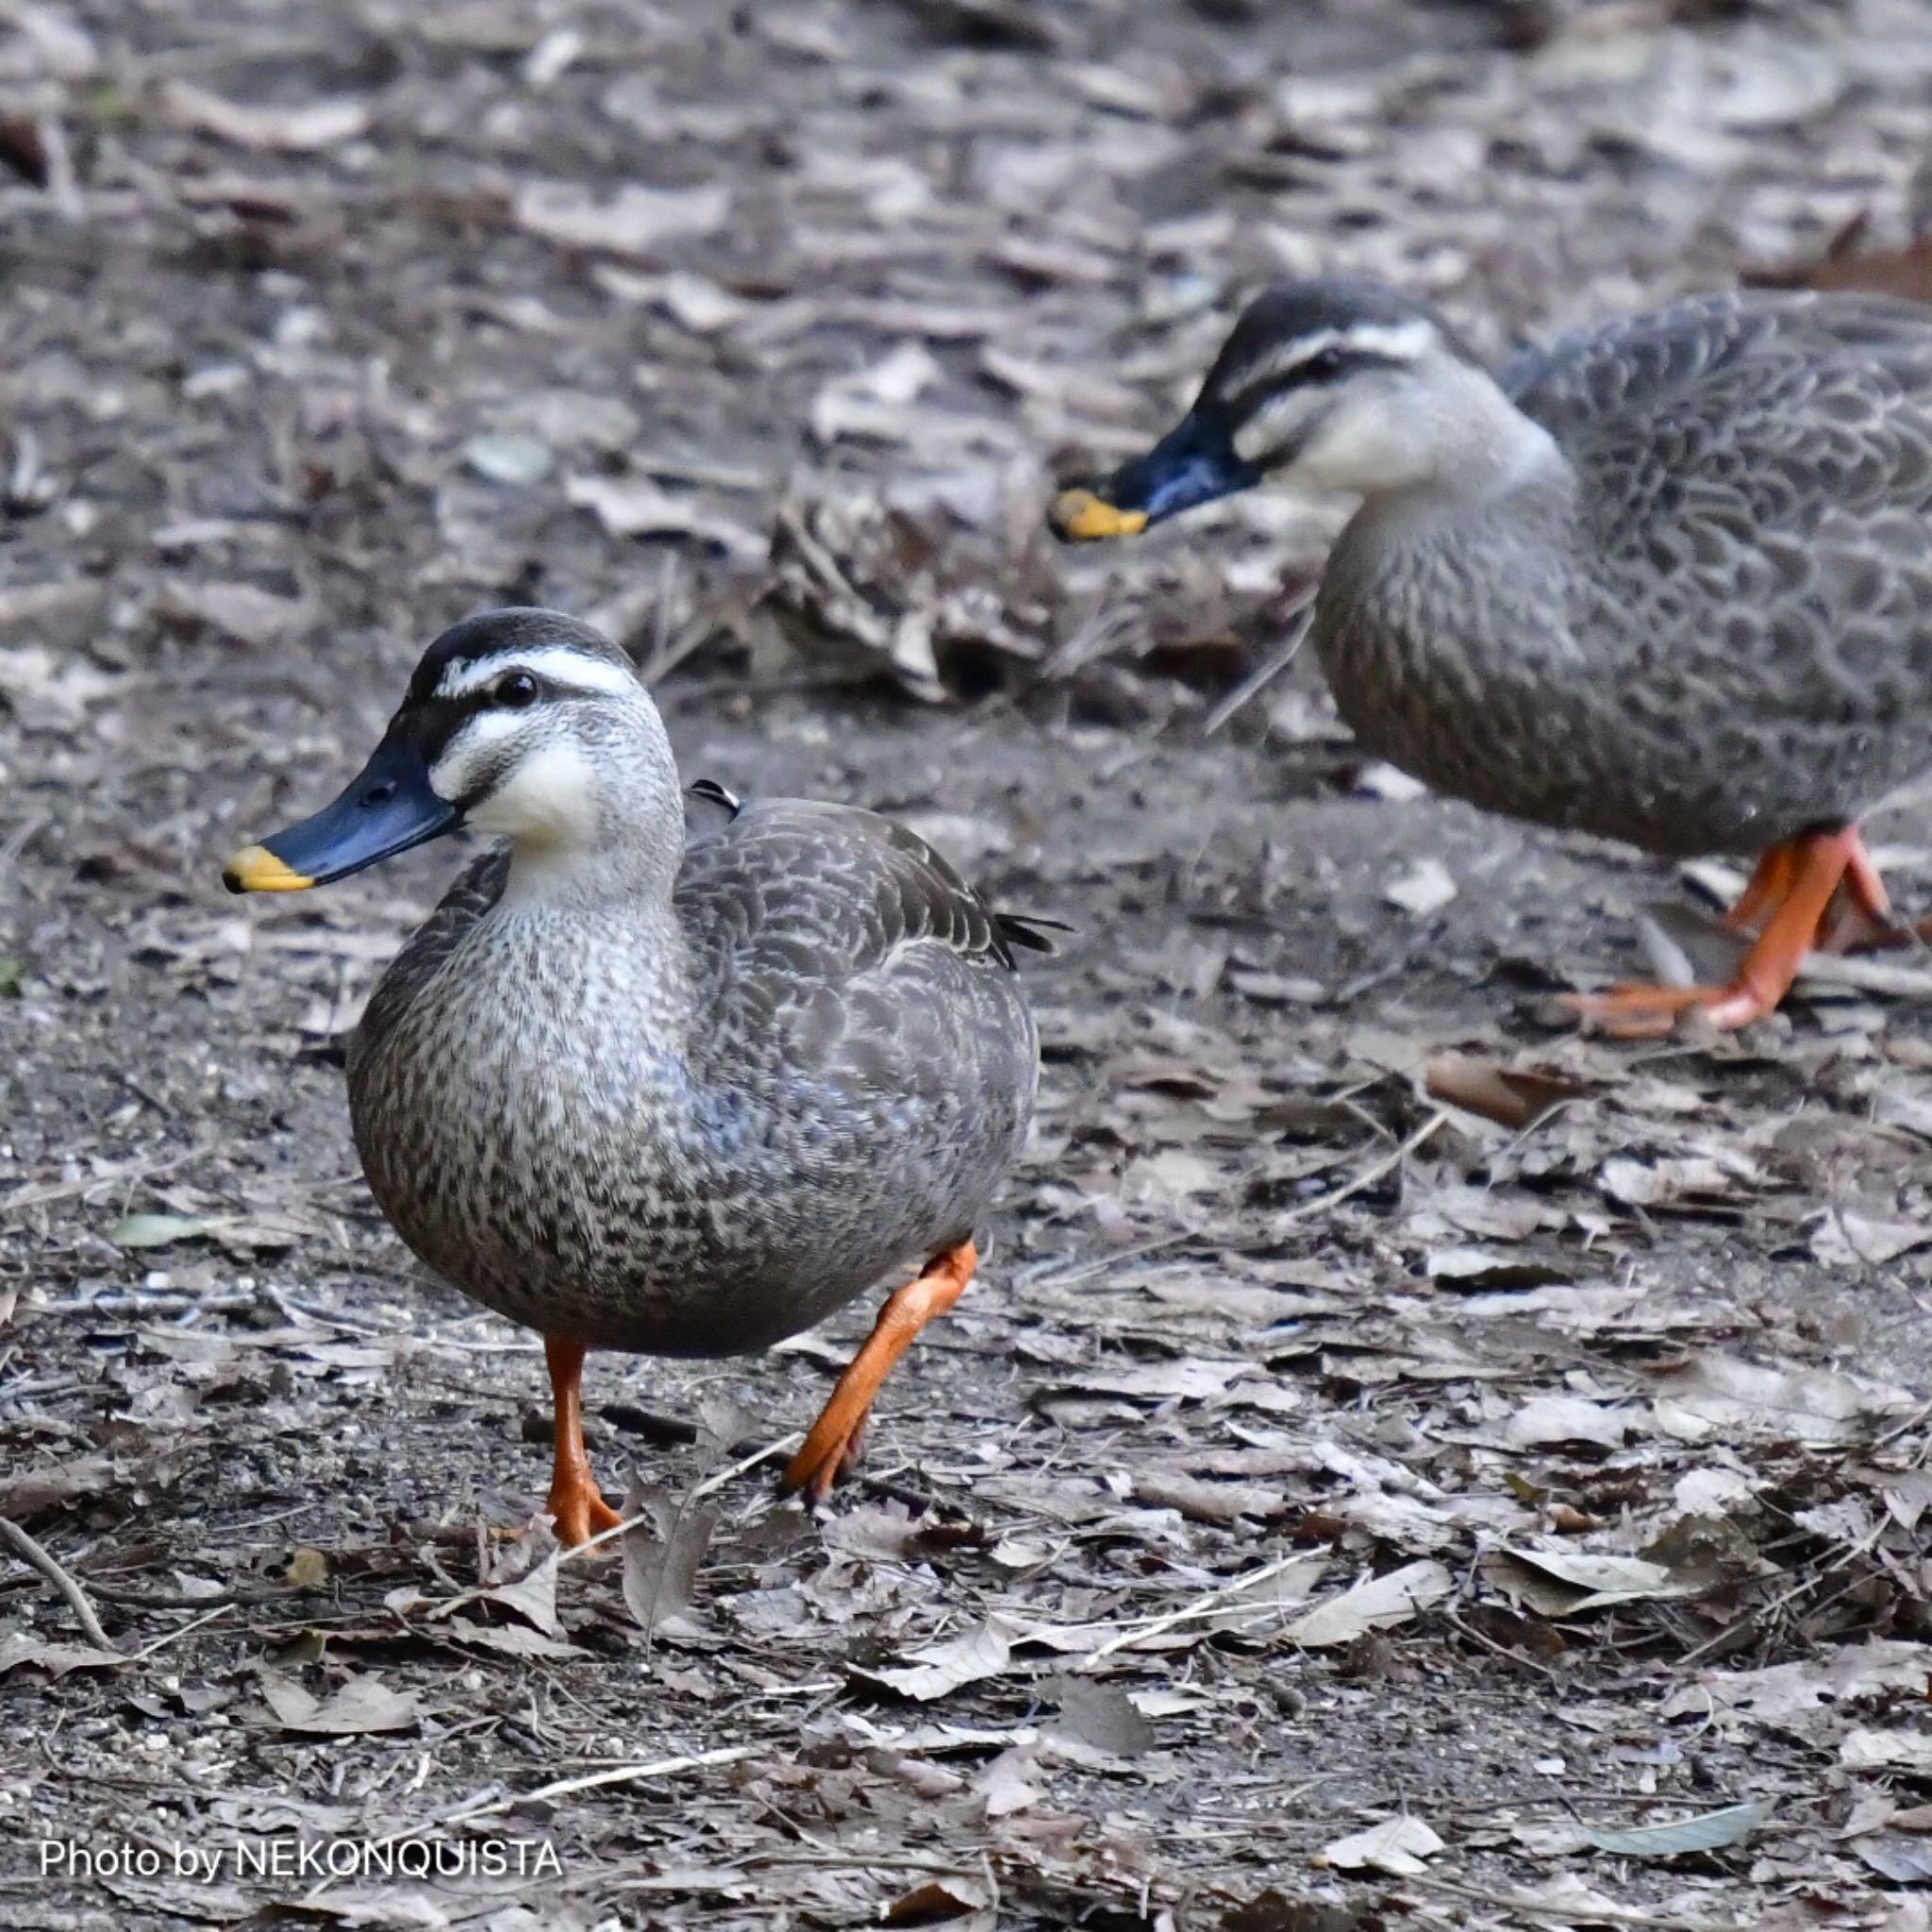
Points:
(1401, 1464)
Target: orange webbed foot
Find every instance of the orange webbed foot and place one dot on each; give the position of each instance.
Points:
(1789, 903)
(831, 1448)
(578, 1511)
(576, 1504)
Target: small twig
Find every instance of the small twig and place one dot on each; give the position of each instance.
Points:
(751, 1461)
(1904, 1428)
(1210, 1603)
(24, 1547)
(1301, 621)
(623, 1774)
(1502, 1650)
(194, 1623)
(1569, 1908)
(1370, 1174)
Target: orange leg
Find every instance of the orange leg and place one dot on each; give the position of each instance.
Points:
(832, 1445)
(576, 1505)
(1818, 865)
(1862, 916)
(1769, 885)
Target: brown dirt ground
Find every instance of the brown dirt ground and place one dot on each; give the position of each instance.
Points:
(307, 355)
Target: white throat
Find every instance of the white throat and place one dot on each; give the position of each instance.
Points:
(549, 812)
(1456, 437)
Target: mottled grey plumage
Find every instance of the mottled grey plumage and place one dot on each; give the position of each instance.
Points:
(1698, 617)
(689, 1100)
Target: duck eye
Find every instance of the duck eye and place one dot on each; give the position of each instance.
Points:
(1322, 365)
(516, 690)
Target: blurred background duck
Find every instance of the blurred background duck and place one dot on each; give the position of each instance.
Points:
(636, 1093)
(1668, 582)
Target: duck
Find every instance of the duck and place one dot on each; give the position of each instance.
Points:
(1667, 581)
(669, 1092)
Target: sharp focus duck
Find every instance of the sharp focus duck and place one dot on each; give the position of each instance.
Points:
(1669, 582)
(636, 1093)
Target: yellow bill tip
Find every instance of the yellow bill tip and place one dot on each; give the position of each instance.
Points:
(1081, 517)
(256, 869)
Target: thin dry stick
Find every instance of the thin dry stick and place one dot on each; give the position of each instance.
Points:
(1370, 1174)
(160, 1643)
(623, 1773)
(1084, 1271)
(1301, 621)
(752, 1461)
(1209, 1605)
(1570, 1908)
(30, 1552)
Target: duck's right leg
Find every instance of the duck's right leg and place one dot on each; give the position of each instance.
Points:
(576, 1505)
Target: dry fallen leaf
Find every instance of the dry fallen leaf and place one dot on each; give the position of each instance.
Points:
(1901, 1860)
(1794, 1696)
(303, 129)
(1719, 1395)
(661, 1560)
(941, 1667)
(635, 506)
(937, 1900)
(360, 1705)
(1908, 1750)
(57, 1660)
(1379, 1604)
(1570, 1583)
(1570, 1418)
(636, 221)
(29, 1491)
(1397, 1845)
(1707, 1831)
(1425, 888)
(1511, 1099)
(244, 613)
(1102, 1717)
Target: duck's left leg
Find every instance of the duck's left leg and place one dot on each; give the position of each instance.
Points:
(1790, 901)
(576, 1504)
(829, 1449)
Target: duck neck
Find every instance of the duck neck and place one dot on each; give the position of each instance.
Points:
(631, 877)
(1483, 446)
(600, 932)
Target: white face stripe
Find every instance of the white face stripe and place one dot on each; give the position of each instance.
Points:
(563, 665)
(1274, 424)
(455, 772)
(1401, 342)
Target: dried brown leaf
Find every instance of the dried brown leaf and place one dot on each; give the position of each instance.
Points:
(661, 1560)
(57, 1660)
(1397, 1845)
(359, 1705)
(943, 1668)
(1380, 1603)
(1511, 1099)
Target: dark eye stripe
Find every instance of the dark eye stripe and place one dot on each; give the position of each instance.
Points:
(1320, 371)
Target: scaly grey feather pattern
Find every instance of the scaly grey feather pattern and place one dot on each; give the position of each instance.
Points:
(696, 1132)
(1712, 630)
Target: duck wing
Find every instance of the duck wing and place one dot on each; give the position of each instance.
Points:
(1756, 487)
(835, 947)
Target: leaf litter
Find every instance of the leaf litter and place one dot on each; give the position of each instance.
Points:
(1379, 1406)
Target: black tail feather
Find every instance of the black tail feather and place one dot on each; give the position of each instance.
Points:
(1031, 930)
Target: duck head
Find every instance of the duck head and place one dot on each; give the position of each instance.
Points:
(1335, 384)
(521, 724)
